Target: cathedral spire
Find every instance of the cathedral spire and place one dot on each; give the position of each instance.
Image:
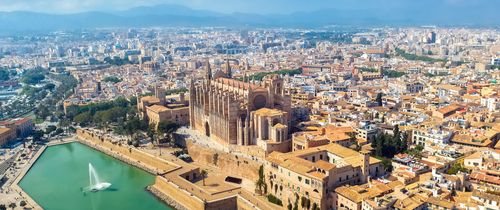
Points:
(209, 70)
(191, 85)
(229, 73)
(247, 65)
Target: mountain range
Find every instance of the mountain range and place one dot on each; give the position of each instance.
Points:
(175, 15)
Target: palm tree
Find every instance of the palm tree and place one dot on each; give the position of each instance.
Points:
(204, 174)
(12, 205)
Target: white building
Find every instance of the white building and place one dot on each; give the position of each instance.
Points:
(432, 135)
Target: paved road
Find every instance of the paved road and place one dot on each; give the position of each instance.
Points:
(6, 164)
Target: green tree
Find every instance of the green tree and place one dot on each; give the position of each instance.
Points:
(387, 163)
(396, 140)
(414, 57)
(37, 135)
(13, 73)
(403, 143)
(167, 128)
(303, 202)
(274, 199)
(3, 207)
(315, 206)
(393, 73)
(367, 69)
(50, 129)
(83, 119)
(12, 205)
(49, 86)
(112, 79)
(4, 75)
(457, 167)
(32, 77)
(42, 111)
(133, 125)
(151, 132)
(416, 151)
(261, 182)
(379, 145)
(176, 91)
(259, 76)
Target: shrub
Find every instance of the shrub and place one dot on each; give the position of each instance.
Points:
(274, 199)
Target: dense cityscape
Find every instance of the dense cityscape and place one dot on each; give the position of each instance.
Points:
(354, 118)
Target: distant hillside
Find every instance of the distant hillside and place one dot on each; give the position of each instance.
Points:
(173, 15)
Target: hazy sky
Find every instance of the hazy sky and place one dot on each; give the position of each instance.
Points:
(229, 6)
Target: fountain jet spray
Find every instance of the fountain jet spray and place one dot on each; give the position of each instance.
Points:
(95, 182)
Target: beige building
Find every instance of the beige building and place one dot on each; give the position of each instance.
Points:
(21, 126)
(6, 135)
(314, 173)
(241, 113)
(378, 203)
(366, 197)
(406, 87)
(156, 109)
(485, 159)
(446, 111)
(323, 136)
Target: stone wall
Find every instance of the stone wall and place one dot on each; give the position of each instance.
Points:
(127, 154)
(169, 191)
(165, 198)
(244, 204)
(223, 204)
(238, 165)
(173, 195)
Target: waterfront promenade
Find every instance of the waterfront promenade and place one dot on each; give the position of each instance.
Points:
(11, 192)
(178, 183)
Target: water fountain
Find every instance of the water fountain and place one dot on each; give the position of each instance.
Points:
(95, 183)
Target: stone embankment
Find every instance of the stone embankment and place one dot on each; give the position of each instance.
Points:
(165, 198)
(118, 156)
(128, 155)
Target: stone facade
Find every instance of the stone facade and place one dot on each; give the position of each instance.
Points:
(156, 109)
(314, 173)
(6, 135)
(241, 113)
(22, 126)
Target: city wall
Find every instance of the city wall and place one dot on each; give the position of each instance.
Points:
(181, 199)
(237, 164)
(129, 155)
(175, 196)
(171, 192)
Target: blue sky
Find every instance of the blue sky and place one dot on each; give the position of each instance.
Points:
(229, 6)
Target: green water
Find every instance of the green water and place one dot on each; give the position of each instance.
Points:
(56, 179)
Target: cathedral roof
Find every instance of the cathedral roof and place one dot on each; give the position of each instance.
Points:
(236, 83)
(158, 108)
(268, 112)
(150, 99)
